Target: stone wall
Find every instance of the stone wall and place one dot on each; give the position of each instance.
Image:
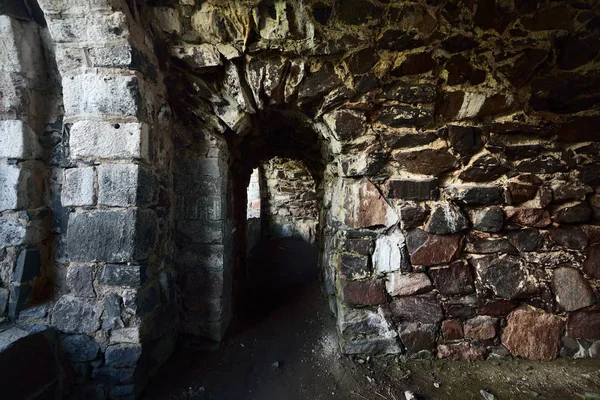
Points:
(203, 227)
(111, 190)
(457, 157)
(453, 145)
(290, 201)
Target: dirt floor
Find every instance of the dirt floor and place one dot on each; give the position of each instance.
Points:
(283, 345)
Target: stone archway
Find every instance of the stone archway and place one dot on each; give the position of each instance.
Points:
(459, 180)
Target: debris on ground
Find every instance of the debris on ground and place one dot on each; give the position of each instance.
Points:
(409, 395)
(487, 395)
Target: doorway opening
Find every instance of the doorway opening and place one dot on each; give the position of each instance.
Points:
(281, 231)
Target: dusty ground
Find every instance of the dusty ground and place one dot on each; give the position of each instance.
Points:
(283, 346)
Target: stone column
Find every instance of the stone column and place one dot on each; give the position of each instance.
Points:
(24, 218)
(117, 312)
(203, 236)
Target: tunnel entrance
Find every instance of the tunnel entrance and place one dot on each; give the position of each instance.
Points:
(282, 220)
(279, 172)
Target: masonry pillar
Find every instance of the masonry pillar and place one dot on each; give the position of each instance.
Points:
(117, 312)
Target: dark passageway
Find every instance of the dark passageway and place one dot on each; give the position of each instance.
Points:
(278, 343)
(279, 270)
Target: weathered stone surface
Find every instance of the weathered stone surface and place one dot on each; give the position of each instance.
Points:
(484, 168)
(398, 39)
(371, 346)
(563, 191)
(359, 321)
(465, 140)
(358, 13)
(318, 83)
(557, 17)
(572, 214)
(78, 187)
(4, 297)
(459, 43)
(526, 240)
(417, 309)
(104, 140)
(80, 348)
(412, 16)
(124, 185)
(197, 56)
(23, 185)
(426, 161)
(411, 216)
(410, 189)
(414, 64)
(592, 232)
(481, 328)
(573, 238)
(505, 274)
(352, 266)
(364, 247)
(80, 280)
(490, 246)
(452, 330)
(390, 253)
(523, 68)
(490, 219)
(122, 355)
(17, 140)
(74, 315)
(475, 195)
(407, 284)
(94, 94)
(460, 71)
(584, 325)
(591, 266)
(367, 293)
(12, 232)
(454, 279)
(417, 336)
(531, 217)
(571, 289)
(428, 249)
(595, 204)
(497, 308)
(590, 174)
(346, 124)
(200, 231)
(406, 115)
(573, 52)
(112, 236)
(579, 129)
(461, 352)
(407, 138)
(520, 192)
(365, 207)
(541, 165)
(446, 218)
(412, 94)
(123, 275)
(532, 335)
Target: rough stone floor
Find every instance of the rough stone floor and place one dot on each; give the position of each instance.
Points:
(284, 347)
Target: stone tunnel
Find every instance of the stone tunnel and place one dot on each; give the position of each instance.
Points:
(444, 155)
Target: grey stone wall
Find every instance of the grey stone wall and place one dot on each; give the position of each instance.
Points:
(290, 203)
(29, 109)
(203, 228)
(454, 145)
